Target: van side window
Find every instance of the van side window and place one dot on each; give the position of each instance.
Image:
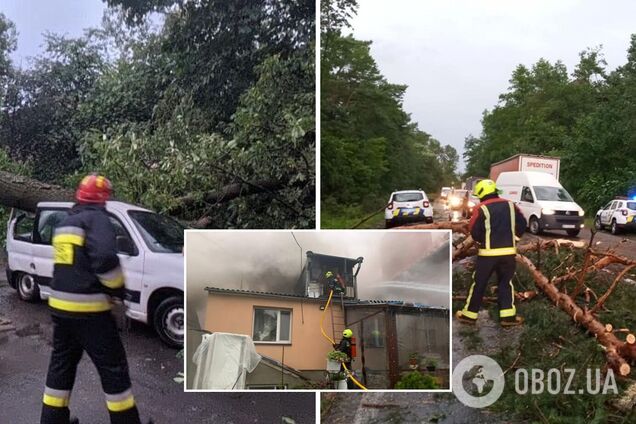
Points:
(23, 229)
(120, 231)
(614, 203)
(526, 195)
(47, 221)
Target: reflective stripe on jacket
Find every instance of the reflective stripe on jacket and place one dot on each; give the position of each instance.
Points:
(86, 267)
(494, 225)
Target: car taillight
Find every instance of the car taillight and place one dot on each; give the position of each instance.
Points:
(425, 204)
(390, 205)
(624, 212)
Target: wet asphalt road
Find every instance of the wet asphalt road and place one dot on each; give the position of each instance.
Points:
(24, 355)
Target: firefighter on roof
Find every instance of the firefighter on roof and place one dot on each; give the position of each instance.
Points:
(86, 274)
(495, 225)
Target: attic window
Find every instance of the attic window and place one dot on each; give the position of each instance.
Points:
(272, 325)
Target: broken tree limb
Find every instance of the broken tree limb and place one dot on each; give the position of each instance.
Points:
(602, 299)
(586, 261)
(227, 193)
(615, 350)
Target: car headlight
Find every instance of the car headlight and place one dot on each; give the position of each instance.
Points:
(471, 204)
(547, 211)
(581, 212)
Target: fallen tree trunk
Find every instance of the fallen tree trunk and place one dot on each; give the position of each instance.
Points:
(25, 193)
(615, 350)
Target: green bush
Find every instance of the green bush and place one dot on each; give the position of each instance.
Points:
(416, 380)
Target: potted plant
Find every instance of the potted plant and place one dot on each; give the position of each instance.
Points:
(334, 359)
(339, 381)
(414, 360)
(431, 364)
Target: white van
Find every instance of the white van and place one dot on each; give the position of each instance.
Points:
(543, 201)
(150, 249)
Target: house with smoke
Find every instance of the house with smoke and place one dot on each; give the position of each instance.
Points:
(287, 327)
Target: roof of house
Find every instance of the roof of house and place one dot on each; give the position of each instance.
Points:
(348, 302)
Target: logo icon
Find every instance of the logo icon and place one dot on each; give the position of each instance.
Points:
(478, 381)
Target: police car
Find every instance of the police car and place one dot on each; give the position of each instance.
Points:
(149, 247)
(408, 206)
(619, 214)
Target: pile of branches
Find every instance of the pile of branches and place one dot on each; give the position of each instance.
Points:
(619, 344)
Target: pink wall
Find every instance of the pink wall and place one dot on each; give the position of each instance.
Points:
(308, 348)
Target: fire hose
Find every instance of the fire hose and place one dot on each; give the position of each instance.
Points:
(333, 342)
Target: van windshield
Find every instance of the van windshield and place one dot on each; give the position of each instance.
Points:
(161, 234)
(552, 194)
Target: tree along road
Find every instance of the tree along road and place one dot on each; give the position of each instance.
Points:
(24, 356)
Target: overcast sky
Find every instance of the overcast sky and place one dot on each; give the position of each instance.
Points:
(35, 17)
(457, 56)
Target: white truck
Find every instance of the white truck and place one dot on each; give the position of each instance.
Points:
(150, 249)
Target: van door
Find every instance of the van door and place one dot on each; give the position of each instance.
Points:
(527, 204)
(19, 241)
(46, 220)
(131, 258)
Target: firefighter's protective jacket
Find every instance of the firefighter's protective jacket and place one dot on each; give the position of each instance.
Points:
(86, 267)
(494, 225)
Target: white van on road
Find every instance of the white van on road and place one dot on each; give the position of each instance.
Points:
(150, 249)
(543, 201)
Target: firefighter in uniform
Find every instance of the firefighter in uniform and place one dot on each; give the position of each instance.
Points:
(495, 225)
(86, 274)
(334, 283)
(345, 347)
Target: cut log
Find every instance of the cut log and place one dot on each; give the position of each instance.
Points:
(617, 352)
(465, 248)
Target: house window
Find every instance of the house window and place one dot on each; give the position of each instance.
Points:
(272, 325)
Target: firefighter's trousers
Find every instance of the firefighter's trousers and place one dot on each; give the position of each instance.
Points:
(504, 268)
(97, 335)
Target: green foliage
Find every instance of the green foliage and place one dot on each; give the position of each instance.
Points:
(274, 124)
(586, 118)
(336, 355)
(416, 380)
(369, 146)
(219, 93)
(7, 45)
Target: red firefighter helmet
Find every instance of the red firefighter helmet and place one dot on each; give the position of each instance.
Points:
(93, 189)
